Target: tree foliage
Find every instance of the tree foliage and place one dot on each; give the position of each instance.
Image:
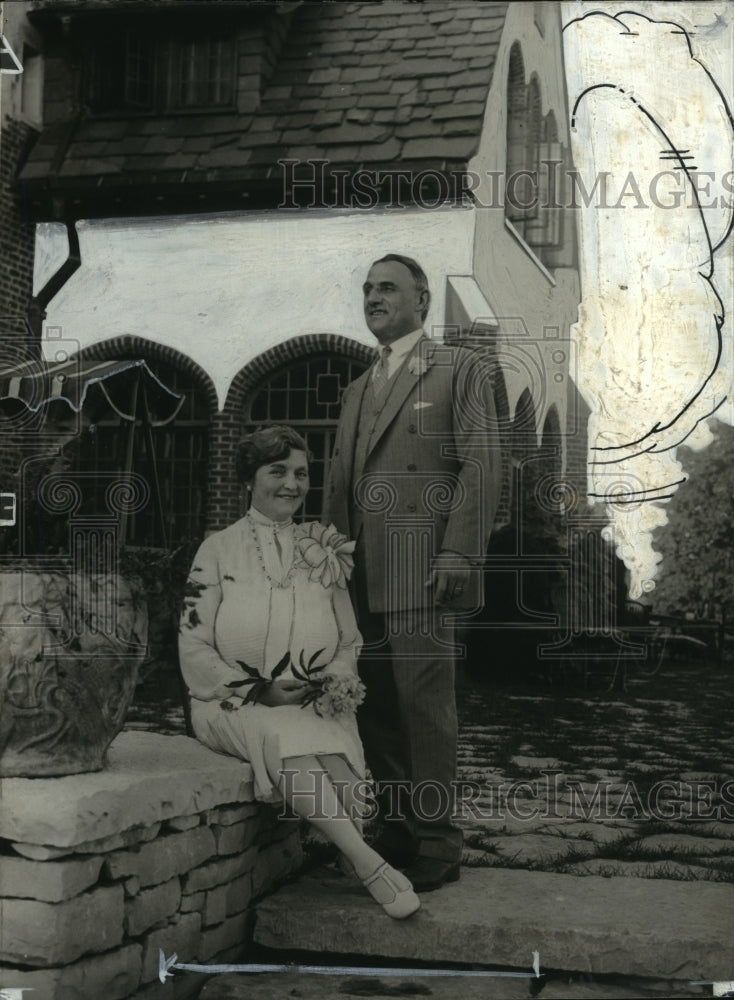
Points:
(697, 545)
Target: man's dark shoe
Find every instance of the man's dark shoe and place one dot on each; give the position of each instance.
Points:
(395, 853)
(428, 874)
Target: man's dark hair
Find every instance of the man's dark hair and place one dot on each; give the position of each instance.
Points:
(419, 275)
(265, 446)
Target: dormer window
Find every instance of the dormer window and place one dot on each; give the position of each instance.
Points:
(137, 70)
(203, 72)
(122, 76)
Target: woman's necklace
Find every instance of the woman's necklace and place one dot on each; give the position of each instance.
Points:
(280, 584)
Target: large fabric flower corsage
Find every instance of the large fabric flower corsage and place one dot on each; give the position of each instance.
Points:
(327, 555)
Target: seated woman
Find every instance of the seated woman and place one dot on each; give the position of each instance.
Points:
(268, 648)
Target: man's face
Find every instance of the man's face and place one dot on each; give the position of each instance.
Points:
(392, 303)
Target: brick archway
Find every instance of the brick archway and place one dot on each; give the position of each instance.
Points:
(227, 426)
(295, 349)
(138, 347)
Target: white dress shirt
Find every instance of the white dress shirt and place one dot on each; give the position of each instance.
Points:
(399, 350)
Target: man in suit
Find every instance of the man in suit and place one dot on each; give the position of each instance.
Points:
(414, 479)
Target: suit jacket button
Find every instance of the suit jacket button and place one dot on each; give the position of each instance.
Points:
(411, 467)
(412, 428)
(336, 452)
(411, 507)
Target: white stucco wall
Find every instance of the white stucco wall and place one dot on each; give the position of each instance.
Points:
(524, 296)
(223, 289)
(650, 91)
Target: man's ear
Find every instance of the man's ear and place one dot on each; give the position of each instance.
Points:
(423, 299)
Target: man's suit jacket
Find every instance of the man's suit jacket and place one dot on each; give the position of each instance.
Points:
(431, 476)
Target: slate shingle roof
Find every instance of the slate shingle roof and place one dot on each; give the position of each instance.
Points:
(363, 85)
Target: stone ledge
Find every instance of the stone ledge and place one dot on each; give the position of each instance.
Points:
(658, 928)
(149, 778)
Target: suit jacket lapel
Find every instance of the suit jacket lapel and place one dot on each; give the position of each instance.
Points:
(357, 391)
(405, 381)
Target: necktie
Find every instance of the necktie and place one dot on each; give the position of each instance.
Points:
(379, 382)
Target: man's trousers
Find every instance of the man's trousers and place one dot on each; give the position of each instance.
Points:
(408, 726)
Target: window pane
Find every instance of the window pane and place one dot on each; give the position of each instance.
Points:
(303, 387)
(203, 73)
(122, 72)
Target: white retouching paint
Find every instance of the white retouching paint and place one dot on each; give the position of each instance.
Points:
(223, 289)
(654, 356)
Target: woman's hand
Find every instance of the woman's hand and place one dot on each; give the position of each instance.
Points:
(287, 692)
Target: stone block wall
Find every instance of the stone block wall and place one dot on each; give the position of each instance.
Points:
(165, 849)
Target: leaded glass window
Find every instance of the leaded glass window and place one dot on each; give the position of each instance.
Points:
(306, 396)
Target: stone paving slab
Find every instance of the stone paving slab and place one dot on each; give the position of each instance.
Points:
(641, 869)
(682, 842)
(539, 848)
(273, 986)
(497, 917)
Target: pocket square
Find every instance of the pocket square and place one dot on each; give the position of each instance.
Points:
(421, 405)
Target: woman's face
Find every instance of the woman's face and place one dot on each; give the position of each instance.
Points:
(278, 489)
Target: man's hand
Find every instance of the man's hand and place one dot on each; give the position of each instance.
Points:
(287, 692)
(449, 577)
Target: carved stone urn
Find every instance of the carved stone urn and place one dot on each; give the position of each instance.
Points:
(70, 648)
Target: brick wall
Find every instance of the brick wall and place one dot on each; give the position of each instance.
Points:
(224, 502)
(16, 232)
(16, 274)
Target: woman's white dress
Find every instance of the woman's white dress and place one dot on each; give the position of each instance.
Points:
(251, 599)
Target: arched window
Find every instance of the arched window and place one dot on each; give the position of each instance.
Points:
(524, 437)
(504, 426)
(552, 445)
(306, 395)
(523, 445)
(532, 182)
(522, 128)
(545, 233)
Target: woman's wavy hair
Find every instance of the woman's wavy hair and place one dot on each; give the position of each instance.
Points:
(264, 446)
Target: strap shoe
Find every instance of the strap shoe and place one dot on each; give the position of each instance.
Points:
(392, 891)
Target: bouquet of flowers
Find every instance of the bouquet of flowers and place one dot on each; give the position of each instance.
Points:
(330, 694)
(334, 695)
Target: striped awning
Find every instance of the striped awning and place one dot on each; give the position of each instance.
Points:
(123, 385)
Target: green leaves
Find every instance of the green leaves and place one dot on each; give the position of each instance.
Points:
(281, 666)
(697, 544)
(193, 588)
(256, 682)
(258, 685)
(248, 670)
(307, 671)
